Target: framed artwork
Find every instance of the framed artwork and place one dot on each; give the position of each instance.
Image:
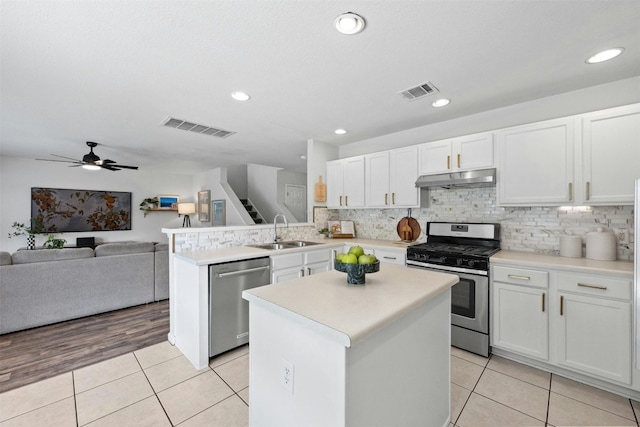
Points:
(168, 201)
(63, 210)
(204, 198)
(219, 213)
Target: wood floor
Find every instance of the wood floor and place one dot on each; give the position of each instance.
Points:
(40, 353)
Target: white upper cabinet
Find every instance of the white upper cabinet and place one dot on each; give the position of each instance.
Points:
(610, 155)
(457, 154)
(390, 178)
(345, 183)
(535, 164)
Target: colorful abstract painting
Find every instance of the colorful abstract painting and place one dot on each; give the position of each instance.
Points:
(62, 210)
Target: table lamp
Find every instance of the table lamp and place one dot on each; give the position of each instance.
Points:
(186, 209)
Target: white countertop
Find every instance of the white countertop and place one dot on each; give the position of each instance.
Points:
(236, 253)
(350, 313)
(562, 263)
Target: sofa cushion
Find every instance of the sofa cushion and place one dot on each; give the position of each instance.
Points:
(162, 247)
(108, 249)
(42, 255)
(5, 258)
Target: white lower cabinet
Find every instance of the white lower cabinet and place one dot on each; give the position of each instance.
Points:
(300, 264)
(581, 322)
(520, 308)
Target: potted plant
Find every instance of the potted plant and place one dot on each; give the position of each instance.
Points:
(149, 203)
(21, 229)
(53, 243)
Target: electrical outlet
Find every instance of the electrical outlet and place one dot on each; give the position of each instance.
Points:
(287, 373)
(622, 235)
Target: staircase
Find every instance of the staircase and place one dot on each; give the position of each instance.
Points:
(255, 215)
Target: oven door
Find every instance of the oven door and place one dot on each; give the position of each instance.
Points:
(469, 299)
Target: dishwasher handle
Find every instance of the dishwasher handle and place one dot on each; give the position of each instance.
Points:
(248, 270)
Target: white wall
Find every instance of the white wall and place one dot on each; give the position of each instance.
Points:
(614, 94)
(262, 183)
(216, 180)
(237, 179)
(18, 175)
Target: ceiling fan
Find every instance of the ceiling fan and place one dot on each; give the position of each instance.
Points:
(91, 161)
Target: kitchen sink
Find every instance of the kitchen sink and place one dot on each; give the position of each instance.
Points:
(284, 245)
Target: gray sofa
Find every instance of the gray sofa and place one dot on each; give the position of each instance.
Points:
(44, 286)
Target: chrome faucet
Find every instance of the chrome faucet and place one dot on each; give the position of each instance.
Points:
(275, 226)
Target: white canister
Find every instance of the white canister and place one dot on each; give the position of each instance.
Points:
(571, 246)
(601, 245)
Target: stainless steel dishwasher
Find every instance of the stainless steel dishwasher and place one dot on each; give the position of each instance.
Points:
(228, 312)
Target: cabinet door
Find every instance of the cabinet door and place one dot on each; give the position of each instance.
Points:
(610, 154)
(287, 274)
(377, 180)
(334, 184)
(319, 267)
(594, 336)
(536, 164)
(520, 320)
(353, 182)
(473, 152)
(402, 178)
(435, 157)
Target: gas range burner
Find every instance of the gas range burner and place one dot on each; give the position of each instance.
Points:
(449, 249)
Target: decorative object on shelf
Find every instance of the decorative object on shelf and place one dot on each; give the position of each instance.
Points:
(356, 272)
(341, 229)
(149, 204)
(168, 201)
(320, 191)
(64, 210)
(204, 197)
(324, 232)
(21, 229)
(53, 243)
(186, 209)
(219, 213)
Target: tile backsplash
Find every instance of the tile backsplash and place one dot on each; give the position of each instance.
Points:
(533, 229)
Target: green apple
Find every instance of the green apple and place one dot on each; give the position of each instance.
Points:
(340, 256)
(350, 259)
(367, 259)
(356, 250)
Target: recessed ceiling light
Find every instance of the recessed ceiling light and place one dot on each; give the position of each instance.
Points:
(240, 96)
(339, 131)
(303, 157)
(605, 55)
(441, 102)
(349, 23)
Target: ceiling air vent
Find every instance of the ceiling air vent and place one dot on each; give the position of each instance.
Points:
(194, 127)
(420, 91)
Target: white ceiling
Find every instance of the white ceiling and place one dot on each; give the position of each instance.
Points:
(112, 71)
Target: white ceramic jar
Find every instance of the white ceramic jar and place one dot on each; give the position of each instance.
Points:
(571, 246)
(601, 245)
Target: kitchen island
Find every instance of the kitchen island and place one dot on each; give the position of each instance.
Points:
(326, 353)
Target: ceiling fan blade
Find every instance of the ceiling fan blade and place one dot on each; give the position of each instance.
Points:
(65, 157)
(125, 167)
(109, 168)
(61, 161)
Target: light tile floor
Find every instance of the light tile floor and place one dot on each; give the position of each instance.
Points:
(157, 386)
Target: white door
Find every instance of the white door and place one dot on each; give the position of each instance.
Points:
(403, 176)
(377, 181)
(295, 200)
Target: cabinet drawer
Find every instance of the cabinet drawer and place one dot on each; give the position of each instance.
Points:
(287, 261)
(390, 257)
(521, 276)
(323, 255)
(595, 285)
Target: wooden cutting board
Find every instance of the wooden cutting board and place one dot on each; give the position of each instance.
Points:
(408, 229)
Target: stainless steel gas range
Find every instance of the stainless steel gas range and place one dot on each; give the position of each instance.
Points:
(463, 249)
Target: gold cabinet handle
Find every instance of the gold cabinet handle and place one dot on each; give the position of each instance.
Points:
(458, 160)
(543, 302)
(301, 272)
(393, 198)
(561, 304)
(308, 271)
(513, 276)
(346, 200)
(571, 191)
(587, 285)
(588, 190)
(386, 198)
(340, 200)
(448, 162)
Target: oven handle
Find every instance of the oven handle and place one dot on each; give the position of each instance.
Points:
(448, 269)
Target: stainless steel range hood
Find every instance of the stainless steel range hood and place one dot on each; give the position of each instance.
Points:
(474, 178)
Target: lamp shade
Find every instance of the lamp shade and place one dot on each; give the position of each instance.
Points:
(186, 208)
